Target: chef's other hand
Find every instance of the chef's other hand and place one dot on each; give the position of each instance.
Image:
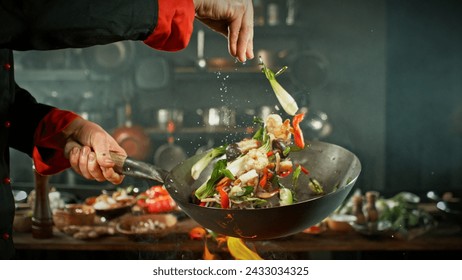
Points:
(232, 18)
(91, 158)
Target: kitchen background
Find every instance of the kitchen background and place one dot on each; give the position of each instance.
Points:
(382, 78)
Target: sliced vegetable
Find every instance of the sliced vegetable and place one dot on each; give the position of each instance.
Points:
(285, 196)
(315, 186)
(285, 173)
(295, 176)
(264, 178)
(224, 198)
(201, 164)
(304, 170)
(261, 128)
(287, 102)
(298, 134)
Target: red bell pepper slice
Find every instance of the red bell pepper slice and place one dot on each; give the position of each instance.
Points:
(298, 134)
(224, 199)
(264, 178)
(303, 169)
(286, 173)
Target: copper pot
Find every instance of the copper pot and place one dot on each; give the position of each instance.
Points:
(132, 138)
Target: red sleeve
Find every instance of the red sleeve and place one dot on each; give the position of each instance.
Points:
(48, 152)
(174, 25)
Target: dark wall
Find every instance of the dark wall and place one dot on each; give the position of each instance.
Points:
(424, 95)
(351, 35)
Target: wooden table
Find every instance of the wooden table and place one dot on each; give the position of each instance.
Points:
(446, 239)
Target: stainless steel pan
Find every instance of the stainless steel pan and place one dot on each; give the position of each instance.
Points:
(335, 167)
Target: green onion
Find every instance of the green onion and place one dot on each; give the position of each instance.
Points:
(315, 186)
(295, 176)
(287, 102)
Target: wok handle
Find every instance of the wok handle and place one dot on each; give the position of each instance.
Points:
(127, 166)
(138, 169)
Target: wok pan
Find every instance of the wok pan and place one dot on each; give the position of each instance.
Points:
(336, 168)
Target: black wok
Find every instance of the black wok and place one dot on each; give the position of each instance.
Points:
(336, 168)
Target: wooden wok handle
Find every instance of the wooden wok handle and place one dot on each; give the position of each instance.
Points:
(119, 161)
(117, 158)
(127, 166)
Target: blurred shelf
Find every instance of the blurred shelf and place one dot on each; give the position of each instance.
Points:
(199, 130)
(60, 75)
(267, 31)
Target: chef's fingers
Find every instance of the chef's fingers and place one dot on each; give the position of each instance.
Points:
(74, 157)
(112, 176)
(94, 168)
(101, 143)
(240, 39)
(245, 43)
(83, 163)
(101, 146)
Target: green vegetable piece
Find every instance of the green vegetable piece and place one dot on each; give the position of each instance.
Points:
(285, 197)
(201, 164)
(296, 175)
(315, 186)
(287, 102)
(260, 132)
(207, 189)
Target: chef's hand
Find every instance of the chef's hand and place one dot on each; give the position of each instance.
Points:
(232, 18)
(90, 157)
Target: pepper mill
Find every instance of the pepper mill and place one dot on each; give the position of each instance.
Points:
(358, 210)
(42, 219)
(372, 213)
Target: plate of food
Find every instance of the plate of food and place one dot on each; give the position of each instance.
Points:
(147, 226)
(156, 199)
(110, 206)
(380, 228)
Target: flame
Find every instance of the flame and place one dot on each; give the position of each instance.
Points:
(240, 251)
(207, 255)
(236, 246)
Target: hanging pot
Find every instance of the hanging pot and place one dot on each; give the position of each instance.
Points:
(169, 155)
(116, 57)
(153, 73)
(308, 69)
(132, 138)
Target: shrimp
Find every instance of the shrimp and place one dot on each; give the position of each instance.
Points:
(255, 159)
(285, 166)
(277, 129)
(250, 178)
(247, 144)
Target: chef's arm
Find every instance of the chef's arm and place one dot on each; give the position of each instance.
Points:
(90, 158)
(42, 132)
(162, 24)
(56, 24)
